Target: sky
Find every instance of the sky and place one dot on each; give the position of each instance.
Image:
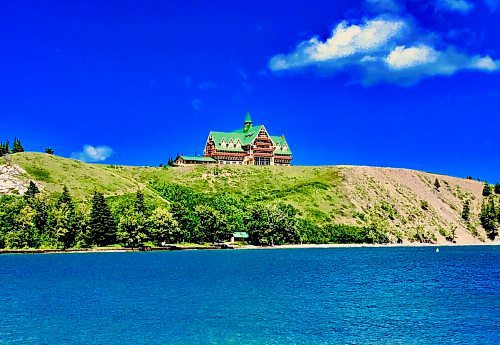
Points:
(411, 84)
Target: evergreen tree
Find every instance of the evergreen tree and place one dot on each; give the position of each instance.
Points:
(16, 146)
(42, 213)
(497, 188)
(102, 225)
(4, 148)
(437, 185)
(65, 199)
(486, 189)
(139, 206)
(65, 223)
(466, 211)
(32, 190)
(489, 218)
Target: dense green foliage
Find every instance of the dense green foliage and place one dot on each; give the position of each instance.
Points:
(36, 220)
(206, 204)
(497, 188)
(490, 217)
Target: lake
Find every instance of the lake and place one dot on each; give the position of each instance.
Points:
(392, 295)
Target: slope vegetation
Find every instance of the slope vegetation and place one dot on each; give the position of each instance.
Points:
(405, 202)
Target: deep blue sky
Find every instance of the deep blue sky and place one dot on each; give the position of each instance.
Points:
(150, 79)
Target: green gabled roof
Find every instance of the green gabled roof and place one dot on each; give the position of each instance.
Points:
(246, 138)
(198, 158)
(277, 139)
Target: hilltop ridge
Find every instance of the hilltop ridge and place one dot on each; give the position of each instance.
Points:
(404, 202)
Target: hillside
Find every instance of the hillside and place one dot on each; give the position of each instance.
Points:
(405, 202)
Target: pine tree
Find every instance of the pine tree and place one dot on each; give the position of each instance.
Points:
(32, 190)
(486, 189)
(437, 184)
(64, 224)
(497, 188)
(65, 199)
(488, 217)
(4, 148)
(16, 146)
(466, 211)
(139, 206)
(102, 224)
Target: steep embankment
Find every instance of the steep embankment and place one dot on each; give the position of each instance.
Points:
(405, 202)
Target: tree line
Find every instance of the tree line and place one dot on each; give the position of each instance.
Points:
(6, 148)
(37, 220)
(490, 210)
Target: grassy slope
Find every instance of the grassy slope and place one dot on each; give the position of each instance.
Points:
(53, 172)
(352, 195)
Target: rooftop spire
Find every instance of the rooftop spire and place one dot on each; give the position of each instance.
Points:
(248, 118)
(248, 122)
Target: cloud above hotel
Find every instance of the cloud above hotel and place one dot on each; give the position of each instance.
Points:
(93, 154)
(386, 48)
(460, 6)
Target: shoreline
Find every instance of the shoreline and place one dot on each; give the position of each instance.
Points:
(242, 247)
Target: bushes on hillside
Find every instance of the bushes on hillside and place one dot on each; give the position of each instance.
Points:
(182, 216)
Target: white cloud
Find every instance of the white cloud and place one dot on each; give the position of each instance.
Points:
(461, 6)
(93, 153)
(383, 49)
(402, 57)
(347, 41)
(485, 64)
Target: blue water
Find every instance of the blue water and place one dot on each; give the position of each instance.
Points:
(294, 296)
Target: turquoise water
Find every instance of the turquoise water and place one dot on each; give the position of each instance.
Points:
(289, 296)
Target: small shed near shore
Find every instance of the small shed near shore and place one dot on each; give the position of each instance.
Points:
(239, 236)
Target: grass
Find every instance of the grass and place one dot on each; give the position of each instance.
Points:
(315, 191)
(54, 172)
(325, 194)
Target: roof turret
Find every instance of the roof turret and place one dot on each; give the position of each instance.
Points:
(248, 122)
